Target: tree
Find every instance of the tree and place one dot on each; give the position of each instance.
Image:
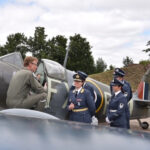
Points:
(80, 55)
(127, 61)
(38, 44)
(58, 46)
(15, 42)
(148, 49)
(100, 65)
(79, 58)
(2, 51)
(111, 67)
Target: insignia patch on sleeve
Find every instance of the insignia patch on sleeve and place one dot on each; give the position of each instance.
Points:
(121, 105)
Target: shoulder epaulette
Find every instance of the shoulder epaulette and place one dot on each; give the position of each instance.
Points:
(82, 90)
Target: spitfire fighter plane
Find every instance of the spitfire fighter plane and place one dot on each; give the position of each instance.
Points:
(59, 81)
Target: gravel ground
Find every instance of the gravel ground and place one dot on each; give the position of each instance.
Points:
(134, 125)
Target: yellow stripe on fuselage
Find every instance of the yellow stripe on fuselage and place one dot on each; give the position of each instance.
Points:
(102, 101)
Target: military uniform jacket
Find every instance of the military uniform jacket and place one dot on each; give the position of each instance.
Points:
(88, 87)
(21, 84)
(116, 111)
(81, 101)
(127, 90)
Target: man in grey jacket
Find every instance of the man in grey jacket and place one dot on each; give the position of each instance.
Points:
(22, 83)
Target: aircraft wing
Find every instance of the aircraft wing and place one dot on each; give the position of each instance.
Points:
(28, 130)
(142, 102)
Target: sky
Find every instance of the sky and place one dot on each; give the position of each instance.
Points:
(114, 28)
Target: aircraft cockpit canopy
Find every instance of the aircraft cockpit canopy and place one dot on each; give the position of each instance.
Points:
(54, 69)
(13, 59)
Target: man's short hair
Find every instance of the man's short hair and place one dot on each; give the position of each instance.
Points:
(28, 60)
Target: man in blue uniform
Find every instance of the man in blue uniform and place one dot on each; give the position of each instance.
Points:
(116, 111)
(126, 89)
(81, 105)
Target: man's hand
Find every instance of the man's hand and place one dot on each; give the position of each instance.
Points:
(45, 86)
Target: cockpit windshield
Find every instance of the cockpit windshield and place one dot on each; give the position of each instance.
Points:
(13, 58)
(40, 71)
(54, 69)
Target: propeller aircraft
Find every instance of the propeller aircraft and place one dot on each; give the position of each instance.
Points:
(59, 81)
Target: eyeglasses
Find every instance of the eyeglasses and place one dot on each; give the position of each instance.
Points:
(34, 64)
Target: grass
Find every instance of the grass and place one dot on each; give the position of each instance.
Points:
(133, 74)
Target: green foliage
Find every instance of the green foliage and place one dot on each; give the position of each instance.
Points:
(144, 62)
(2, 51)
(79, 58)
(148, 49)
(127, 61)
(15, 42)
(38, 44)
(58, 46)
(100, 65)
(148, 43)
(111, 67)
(80, 55)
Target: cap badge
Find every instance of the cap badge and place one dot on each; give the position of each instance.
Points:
(77, 76)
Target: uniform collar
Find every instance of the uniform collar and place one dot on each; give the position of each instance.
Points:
(78, 91)
(25, 68)
(84, 84)
(116, 93)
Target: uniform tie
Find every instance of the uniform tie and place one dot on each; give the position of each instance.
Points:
(76, 93)
(113, 96)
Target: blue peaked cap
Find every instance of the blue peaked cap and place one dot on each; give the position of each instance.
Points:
(116, 82)
(119, 72)
(82, 74)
